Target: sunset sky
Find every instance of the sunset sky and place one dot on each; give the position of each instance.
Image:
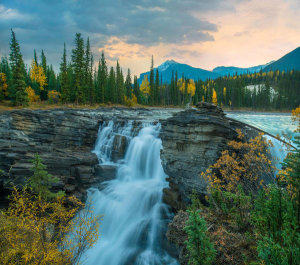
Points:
(201, 33)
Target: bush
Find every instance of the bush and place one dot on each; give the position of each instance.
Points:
(201, 250)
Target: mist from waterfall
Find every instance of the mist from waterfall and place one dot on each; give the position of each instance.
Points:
(134, 216)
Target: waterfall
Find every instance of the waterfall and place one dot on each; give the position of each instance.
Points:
(134, 216)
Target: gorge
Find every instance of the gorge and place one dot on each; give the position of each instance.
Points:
(144, 163)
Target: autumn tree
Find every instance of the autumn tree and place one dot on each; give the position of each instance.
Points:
(37, 75)
(3, 86)
(214, 97)
(145, 88)
(17, 93)
(36, 231)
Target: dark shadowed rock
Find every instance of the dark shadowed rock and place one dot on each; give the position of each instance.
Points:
(192, 141)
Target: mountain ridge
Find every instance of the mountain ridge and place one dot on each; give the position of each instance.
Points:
(287, 62)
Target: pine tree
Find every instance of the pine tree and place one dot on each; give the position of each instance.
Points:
(152, 89)
(119, 85)
(136, 89)
(64, 77)
(128, 88)
(78, 68)
(156, 94)
(111, 87)
(48, 87)
(102, 80)
(18, 90)
(41, 181)
(35, 57)
(87, 89)
(201, 250)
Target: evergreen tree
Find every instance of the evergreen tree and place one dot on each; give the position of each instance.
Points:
(201, 250)
(87, 89)
(102, 80)
(156, 94)
(136, 89)
(44, 93)
(152, 88)
(111, 88)
(128, 88)
(17, 92)
(119, 85)
(41, 181)
(35, 58)
(78, 68)
(65, 96)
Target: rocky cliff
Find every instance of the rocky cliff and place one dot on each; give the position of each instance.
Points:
(64, 138)
(192, 141)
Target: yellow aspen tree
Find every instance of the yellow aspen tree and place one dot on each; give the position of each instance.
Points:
(37, 74)
(191, 87)
(214, 97)
(3, 86)
(181, 85)
(31, 94)
(145, 86)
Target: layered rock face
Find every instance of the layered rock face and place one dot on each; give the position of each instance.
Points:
(192, 141)
(63, 139)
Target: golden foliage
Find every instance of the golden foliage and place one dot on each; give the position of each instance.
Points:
(35, 231)
(245, 165)
(214, 97)
(3, 86)
(37, 74)
(145, 86)
(53, 96)
(191, 88)
(31, 94)
(130, 102)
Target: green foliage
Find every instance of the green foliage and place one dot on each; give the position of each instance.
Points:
(276, 216)
(201, 250)
(17, 92)
(41, 181)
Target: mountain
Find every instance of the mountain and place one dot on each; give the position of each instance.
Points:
(232, 70)
(165, 71)
(290, 61)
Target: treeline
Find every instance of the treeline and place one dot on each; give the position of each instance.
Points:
(82, 81)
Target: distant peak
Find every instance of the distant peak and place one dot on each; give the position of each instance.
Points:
(166, 65)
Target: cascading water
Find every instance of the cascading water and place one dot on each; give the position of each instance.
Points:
(134, 216)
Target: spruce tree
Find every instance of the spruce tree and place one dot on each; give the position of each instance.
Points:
(152, 89)
(64, 77)
(87, 73)
(78, 68)
(136, 89)
(128, 85)
(17, 92)
(44, 93)
(119, 85)
(102, 80)
(111, 87)
(35, 57)
(156, 94)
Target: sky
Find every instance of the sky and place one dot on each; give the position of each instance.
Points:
(201, 33)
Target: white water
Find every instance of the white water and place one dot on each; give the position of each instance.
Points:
(277, 124)
(134, 217)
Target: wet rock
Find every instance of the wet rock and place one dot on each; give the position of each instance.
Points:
(192, 141)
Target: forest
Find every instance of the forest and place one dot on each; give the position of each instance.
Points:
(81, 80)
